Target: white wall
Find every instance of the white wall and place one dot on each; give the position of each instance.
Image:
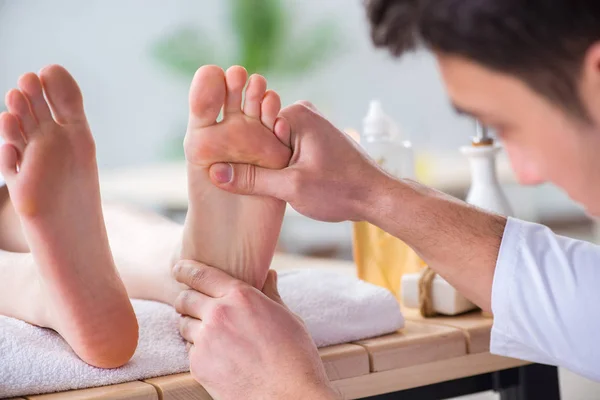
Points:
(134, 104)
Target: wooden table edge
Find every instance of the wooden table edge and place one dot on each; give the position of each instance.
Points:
(473, 335)
(135, 390)
(390, 381)
(376, 383)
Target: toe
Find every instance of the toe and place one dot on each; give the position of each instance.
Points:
(283, 131)
(63, 94)
(271, 105)
(9, 158)
(207, 95)
(11, 131)
(235, 79)
(31, 86)
(257, 85)
(17, 104)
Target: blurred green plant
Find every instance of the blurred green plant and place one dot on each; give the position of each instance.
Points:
(267, 42)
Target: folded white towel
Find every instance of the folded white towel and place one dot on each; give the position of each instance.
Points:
(336, 308)
(339, 308)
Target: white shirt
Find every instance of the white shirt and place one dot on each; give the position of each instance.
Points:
(546, 299)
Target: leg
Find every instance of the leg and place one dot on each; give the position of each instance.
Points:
(145, 247)
(20, 292)
(236, 233)
(51, 173)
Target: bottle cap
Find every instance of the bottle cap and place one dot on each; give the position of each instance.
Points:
(482, 137)
(377, 123)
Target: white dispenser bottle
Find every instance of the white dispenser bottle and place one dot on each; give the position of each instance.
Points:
(382, 140)
(485, 191)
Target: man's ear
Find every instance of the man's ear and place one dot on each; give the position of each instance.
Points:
(589, 84)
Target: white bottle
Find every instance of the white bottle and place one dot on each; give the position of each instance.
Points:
(382, 140)
(485, 191)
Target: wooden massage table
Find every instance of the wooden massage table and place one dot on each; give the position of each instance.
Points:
(429, 359)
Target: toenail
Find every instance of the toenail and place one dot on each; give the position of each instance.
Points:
(222, 173)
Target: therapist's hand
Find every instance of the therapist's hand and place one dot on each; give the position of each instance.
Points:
(329, 177)
(246, 344)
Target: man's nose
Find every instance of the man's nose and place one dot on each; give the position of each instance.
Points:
(526, 170)
(529, 178)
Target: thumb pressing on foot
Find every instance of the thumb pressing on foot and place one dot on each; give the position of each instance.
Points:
(270, 288)
(246, 179)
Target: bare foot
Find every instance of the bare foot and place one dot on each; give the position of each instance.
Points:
(51, 172)
(236, 233)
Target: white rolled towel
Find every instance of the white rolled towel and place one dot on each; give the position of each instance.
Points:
(337, 308)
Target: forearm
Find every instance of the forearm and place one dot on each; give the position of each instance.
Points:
(459, 241)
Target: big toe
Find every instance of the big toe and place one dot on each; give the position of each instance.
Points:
(207, 95)
(63, 94)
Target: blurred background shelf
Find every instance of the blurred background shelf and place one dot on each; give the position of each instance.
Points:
(163, 187)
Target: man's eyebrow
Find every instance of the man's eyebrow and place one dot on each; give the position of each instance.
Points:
(470, 113)
(463, 111)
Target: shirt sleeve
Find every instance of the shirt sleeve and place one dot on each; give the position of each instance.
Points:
(546, 299)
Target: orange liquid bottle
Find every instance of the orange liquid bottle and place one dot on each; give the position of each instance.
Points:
(381, 258)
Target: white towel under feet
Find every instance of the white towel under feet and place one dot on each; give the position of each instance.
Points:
(337, 308)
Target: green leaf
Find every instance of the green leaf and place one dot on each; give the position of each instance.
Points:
(260, 27)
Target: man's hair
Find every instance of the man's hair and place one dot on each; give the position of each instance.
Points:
(542, 42)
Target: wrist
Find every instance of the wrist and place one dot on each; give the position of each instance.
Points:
(368, 195)
(392, 201)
